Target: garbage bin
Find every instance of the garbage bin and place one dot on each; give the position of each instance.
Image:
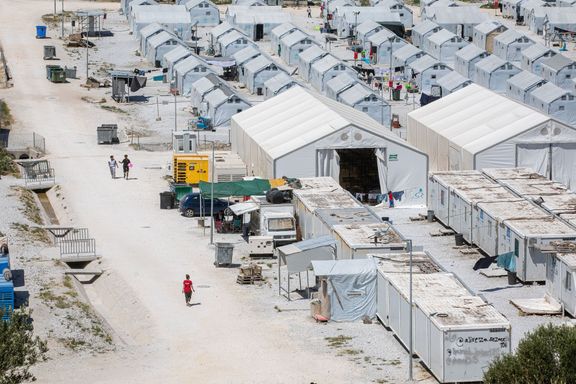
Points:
(511, 278)
(70, 72)
(49, 52)
(57, 75)
(49, 69)
(459, 239)
(107, 134)
(396, 94)
(167, 200)
(430, 216)
(40, 31)
(223, 254)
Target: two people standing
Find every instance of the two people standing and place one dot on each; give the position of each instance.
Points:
(113, 164)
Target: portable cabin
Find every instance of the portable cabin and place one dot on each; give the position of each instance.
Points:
(485, 33)
(146, 33)
(367, 29)
(427, 70)
(521, 85)
(435, 3)
(559, 70)
(551, 18)
(339, 84)
(277, 33)
(364, 99)
(220, 30)
(443, 44)
(405, 13)
(458, 20)
(533, 56)
(203, 13)
(511, 9)
(465, 60)
(233, 42)
(489, 216)
(307, 58)
(423, 29)
(554, 101)
(561, 279)
(187, 71)
(330, 217)
(402, 58)
(257, 71)
(356, 241)
(527, 6)
(242, 57)
(278, 84)
(221, 104)
(202, 86)
(348, 18)
(509, 44)
(524, 238)
(347, 287)
(383, 44)
(256, 22)
(136, 3)
(492, 73)
(174, 19)
(159, 45)
(293, 44)
(325, 69)
(173, 57)
(452, 82)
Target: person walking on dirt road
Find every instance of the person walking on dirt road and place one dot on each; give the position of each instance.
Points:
(187, 289)
(112, 164)
(126, 166)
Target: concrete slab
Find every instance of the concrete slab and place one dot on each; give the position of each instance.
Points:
(543, 306)
(494, 272)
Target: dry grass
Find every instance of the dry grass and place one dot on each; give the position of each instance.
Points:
(112, 108)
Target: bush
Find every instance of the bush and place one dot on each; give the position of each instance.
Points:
(544, 356)
(19, 349)
(7, 166)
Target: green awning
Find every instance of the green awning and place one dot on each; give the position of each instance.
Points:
(235, 188)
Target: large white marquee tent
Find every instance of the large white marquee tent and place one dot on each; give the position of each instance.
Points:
(475, 128)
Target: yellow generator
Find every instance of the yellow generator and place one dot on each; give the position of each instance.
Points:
(190, 168)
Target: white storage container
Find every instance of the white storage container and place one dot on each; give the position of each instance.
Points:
(356, 241)
(339, 216)
(561, 280)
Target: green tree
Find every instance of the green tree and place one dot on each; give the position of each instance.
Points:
(544, 356)
(19, 348)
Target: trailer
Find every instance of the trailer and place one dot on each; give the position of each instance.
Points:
(356, 241)
(274, 221)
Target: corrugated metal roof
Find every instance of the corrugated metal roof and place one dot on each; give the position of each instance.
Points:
(326, 63)
(488, 26)
(536, 51)
(305, 245)
(423, 63)
(246, 54)
(278, 82)
(557, 62)
(525, 80)
(355, 94)
(294, 37)
(491, 63)
(453, 80)
(338, 83)
(382, 36)
(441, 36)
(470, 52)
(548, 93)
(406, 52)
(312, 53)
(424, 27)
(257, 64)
(298, 117)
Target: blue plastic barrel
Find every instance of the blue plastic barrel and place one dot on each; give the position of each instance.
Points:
(40, 31)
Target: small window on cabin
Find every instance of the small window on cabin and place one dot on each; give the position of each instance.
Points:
(442, 197)
(196, 69)
(207, 13)
(560, 107)
(364, 109)
(237, 100)
(516, 248)
(563, 97)
(568, 75)
(568, 281)
(238, 110)
(401, 15)
(518, 49)
(433, 76)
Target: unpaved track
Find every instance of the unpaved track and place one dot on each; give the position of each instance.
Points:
(147, 250)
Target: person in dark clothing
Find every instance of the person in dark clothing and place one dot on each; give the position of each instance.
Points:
(126, 166)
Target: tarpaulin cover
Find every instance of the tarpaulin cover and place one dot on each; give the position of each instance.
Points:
(507, 261)
(235, 188)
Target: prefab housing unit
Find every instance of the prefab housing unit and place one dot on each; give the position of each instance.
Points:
(383, 44)
(364, 99)
(561, 280)
(330, 217)
(202, 86)
(346, 20)
(277, 33)
(402, 58)
(398, 7)
(423, 29)
(233, 42)
(556, 102)
(293, 44)
(509, 44)
(443, 44)
(307, 58)
(187, 71)
(511, 9)
(339, 84)
(325, 69)
(465, 60)
(519, 86)
(146, 33)
(174, 18)
(492, 73)
(203, 13)
(559, 70)
(357, 241)
(221, 104)
(278, 84)
(458, 20)
(367, 29)
(452, 82)
(484, 34)
(257, 71)
(552, 18)
(256, 22)
(242, 57)
(427, 70)
(159, 45)
(173, 57)
(533, 56)
(220, 30)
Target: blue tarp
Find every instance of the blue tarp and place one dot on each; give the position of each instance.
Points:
(507, 261)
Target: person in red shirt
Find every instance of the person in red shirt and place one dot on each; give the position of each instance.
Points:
(187, 289)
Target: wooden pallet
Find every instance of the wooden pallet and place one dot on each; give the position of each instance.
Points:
(443, 232)
(244, 280)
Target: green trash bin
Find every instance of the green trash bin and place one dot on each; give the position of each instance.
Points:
(58, 75)
(396, 94)
(49, 69)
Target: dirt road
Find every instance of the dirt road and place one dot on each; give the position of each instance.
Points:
(228, 338)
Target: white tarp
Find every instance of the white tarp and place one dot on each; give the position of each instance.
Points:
(298, 256)
(351, 287)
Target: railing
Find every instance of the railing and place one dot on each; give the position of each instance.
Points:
(77, 248)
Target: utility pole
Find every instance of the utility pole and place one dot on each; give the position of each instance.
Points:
(87, 47)
(54, 10)
(175, 112)
(411, 336)
(391, 81)
(356, 13)
(212, 198)
(62, 19)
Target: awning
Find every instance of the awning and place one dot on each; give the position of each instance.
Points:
(242, 208)
(235, 188)
(298, 256)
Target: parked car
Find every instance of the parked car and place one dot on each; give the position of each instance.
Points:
(190, 205)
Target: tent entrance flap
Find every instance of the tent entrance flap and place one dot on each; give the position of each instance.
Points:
(358, 170)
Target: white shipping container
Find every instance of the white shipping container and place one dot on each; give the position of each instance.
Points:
(356, 241)
(561, 280)
(330, 217)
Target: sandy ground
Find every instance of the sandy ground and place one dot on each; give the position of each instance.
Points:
(234, 334)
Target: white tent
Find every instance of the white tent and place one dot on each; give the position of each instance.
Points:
(458, 20)
(338, 84)
(511, 9)
(347, 18)
(174, 18)
(203, 12)
(453, 82)
(364, 99)
(492, 73)
(242, 57)
(510, 43)
(465, 60)
(532, 57)
(257, 71)
(293, 44)
(326, 68)
(233, 42)
(221, 104)
(443, 44)
(383, 44)
(423, 29)
(402, 58)
(188, 71)
(202, 86)
(427, 71)
(367, 29)
(277, 33)
(146, 33)
(220, 30)
(561, 18)
(559, 70)
(257, 22)
(299, 134)
(349, 286)
(278, 84)
(398, 7)
(554, 101)
(475, 128)
(484, 34)
(159, 45)
(173, 57)
(307, 58)
(519, 86)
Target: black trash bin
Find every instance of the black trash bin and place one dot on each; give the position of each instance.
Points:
(512, 278)
(167, 200)
(459, 239)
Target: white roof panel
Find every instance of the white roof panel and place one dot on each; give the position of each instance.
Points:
(453, 80)
(548, 93)
(470, 52)
(525, 80)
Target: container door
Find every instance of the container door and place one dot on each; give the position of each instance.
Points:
(535, 262)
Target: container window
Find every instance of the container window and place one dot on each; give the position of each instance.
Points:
(568, 281)
(516, 248)
(280, 224)
(442, 197)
